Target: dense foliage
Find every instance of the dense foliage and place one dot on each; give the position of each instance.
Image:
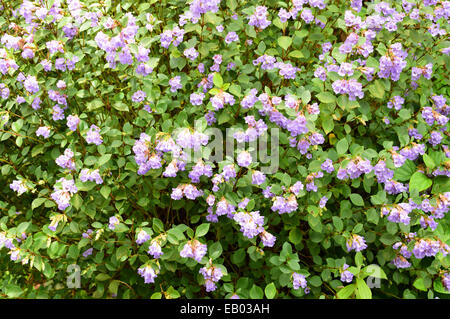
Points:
(104, 102)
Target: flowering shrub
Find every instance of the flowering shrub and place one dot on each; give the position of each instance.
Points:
(107, 166)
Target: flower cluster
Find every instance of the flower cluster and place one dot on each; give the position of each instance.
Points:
(194, 249)
(63, 192)
(211, 275)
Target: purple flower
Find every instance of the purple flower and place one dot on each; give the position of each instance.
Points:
(175, 83)
(346, 276)
(259, 18)
(323, 201)
(231, 37)
(296, 188)
(147, 273)
(155, 249)
(307, 16)
(401, 262)
(321, 73)
(138, 96)
(287, 70)
(93, 135)
(244, 159)
(194, 249)
(66, 160)
(251, 223)
(60, 64)
(211, 275)
(125, 56)
(87, 252)
(72, 122)
(210, 118)
(43, 131)
(91, 175)
(258, 178)
(62, 194)
(398, 213)
(435, 138)
(327, 166)
(351, 87)
(267, 239)
(113, 222)
(446, 281)
(298, 281)
(284, 15)
(382, 173)
(142, 54)
(197, 98)
(356, 242)
(191, 54)
(18, 186)
(396, 102)
(57, 113)
(392, 64)
(27, 53)
(55, 46)
(31, 84)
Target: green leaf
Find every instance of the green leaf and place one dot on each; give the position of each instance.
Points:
(419, 284)
(172, 293)
(156, 295)
(94, 104)
(342, 146)
(338, 224)
(77, 201)
(295, 236)
(346, 292)
(357, 199)
(17, 125)
(224, 117)
(284, 42)
(256, 292)
(13, 291)
(306, 97)
(405, 172)
(217, 80)
(105, 191)
(327, 124)
(379, 199)
(103, 159)
(122, 251)
(37, 202)
(296, 54)
(419, 182)
(120, 106)
(362, 290)
(202, 230)
(377, 89)
(158, 225)
(22, 227)
(428, 161)
(388, 239)
(270, 291)
(73, 252)
(114, 286)
(326, 97)
(359, 259)
(102, 277)
(375, 271)
(215, 250)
